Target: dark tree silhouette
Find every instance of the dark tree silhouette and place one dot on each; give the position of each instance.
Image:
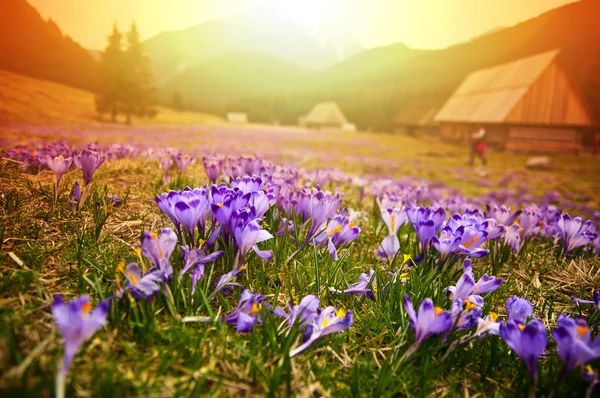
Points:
(109, 98)
(139, 91)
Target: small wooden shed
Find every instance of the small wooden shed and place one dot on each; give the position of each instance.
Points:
(525, 105)
(325, 115)
(416, 117)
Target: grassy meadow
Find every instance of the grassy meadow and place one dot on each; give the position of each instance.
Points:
(50, 247)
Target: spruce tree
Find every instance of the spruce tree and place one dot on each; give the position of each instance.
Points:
(139, 89)
(110, 94)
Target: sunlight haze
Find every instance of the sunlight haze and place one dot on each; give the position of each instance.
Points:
(419, 24)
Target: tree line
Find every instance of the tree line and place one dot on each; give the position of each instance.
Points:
(126, 78)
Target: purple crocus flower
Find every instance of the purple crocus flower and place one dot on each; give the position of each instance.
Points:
(158, 249)
(317, 205)
(488, 325)
(367, 285)
(389, 247)
(304, 311)
(467, 317)
(596, 300)
(339, 231)
(75, 194)
(426, 222)
(166, 203)
(527, 341)
(194, 260)
(393, 219)
(503, 215)
(59, 165)
(449, 241)
(225, 282)
(492, 228)
(77, 322)
(88, 161)
(468, 289)
(182, 160)
(514, 238)
(247, 184)
(115, 199)
(213, 168)
(261, 201)
(518, 309)
(429, 321)
(325, 322)
(189, 213)
(246, 235)
(574, 232)
(248, 312)
(141, 286)
(575, 345)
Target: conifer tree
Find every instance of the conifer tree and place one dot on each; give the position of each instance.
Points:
(110, 95)
(139, 89)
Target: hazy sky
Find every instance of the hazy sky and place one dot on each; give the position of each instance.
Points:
(418, 23)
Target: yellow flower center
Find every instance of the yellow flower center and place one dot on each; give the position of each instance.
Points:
(132, 278)
(393, 218)
(220, 205)
(154, 235)
(493, 316)
(255, 308)
(87, 307)
(437, 310)
(212, 163)
(341, 313)
(473, 240)
(121, 267)
(470, 305)
(581, 330)
(335, 230)
(201, 243)
(521, 326)
(61, 158)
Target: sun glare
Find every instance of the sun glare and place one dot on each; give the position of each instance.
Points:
(309, 12)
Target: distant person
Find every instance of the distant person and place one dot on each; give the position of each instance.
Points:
(596, 147)
(478, 146)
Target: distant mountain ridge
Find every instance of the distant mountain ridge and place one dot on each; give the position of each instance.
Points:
(373, 85)
(32, 46)
(253, 31)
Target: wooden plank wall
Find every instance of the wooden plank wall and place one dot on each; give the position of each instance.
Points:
(540, 139)
(551, 101)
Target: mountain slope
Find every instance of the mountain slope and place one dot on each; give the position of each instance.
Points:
(238, 75)
(390, 81)
(254, 31)
(35, 47)
(29, 100)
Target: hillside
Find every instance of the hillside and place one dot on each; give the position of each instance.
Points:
(258, 30)
(33, 46)
(572, 28)
(34, 101)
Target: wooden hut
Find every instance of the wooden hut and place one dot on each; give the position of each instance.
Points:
(416, 117)
(524, 105)
(325, 115)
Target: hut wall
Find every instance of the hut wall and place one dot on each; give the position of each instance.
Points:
(543, 139)
(550, 101)
(495, 137)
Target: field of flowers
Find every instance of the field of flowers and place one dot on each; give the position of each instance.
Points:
(173, 262)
